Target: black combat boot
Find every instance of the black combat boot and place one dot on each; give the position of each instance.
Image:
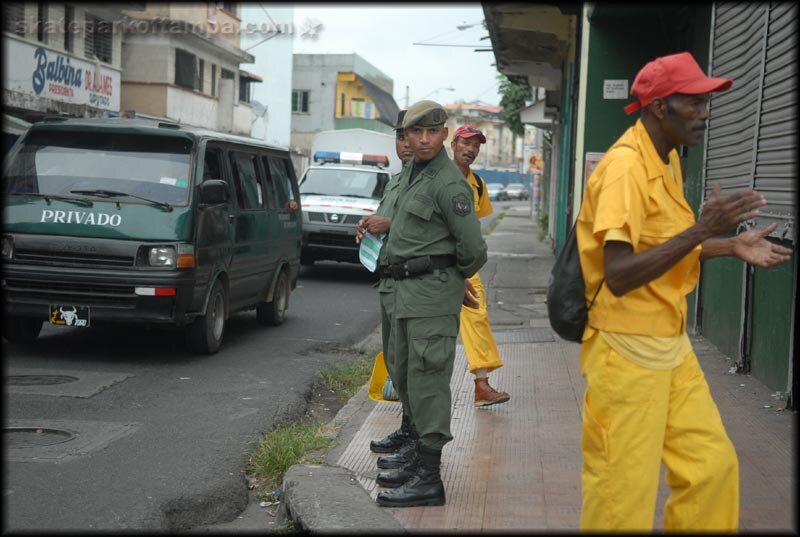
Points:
(399, 459)
(394, 440)
(397, 477)
(425, 487)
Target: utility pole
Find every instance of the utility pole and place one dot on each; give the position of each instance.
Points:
(406, 97)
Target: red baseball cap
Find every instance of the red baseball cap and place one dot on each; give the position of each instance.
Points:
(468, 131)
(676, 73)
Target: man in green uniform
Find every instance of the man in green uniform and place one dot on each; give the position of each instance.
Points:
(403, 440)
(434, 244)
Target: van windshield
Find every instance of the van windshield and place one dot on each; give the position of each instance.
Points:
(339, 182)
(154, 167)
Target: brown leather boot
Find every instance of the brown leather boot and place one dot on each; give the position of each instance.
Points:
(485, 395)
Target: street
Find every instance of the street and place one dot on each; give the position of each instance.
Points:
(136, 433)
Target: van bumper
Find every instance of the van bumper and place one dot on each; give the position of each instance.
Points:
(110, 295)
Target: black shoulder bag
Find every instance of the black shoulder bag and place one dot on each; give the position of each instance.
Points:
(566, 290)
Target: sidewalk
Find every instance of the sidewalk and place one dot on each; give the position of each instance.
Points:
(516, 466)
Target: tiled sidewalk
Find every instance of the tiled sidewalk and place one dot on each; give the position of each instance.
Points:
(516, 466)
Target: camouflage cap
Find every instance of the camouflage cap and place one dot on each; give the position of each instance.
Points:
(425, 114)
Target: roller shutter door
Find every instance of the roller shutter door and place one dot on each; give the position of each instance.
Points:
(751, 140)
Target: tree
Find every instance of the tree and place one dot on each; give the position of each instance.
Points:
(513, 99)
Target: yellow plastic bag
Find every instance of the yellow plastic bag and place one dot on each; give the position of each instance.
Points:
(378, 389)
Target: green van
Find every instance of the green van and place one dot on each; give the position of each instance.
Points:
(144, 222)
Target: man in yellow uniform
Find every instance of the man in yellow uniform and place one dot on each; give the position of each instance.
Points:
(476, 332)
(646, 399)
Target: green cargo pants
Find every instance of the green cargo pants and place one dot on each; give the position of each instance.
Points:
(425, 349)
(387, 334)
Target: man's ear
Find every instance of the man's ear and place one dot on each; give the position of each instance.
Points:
(658, 108)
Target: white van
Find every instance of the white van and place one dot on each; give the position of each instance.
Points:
(336, 192)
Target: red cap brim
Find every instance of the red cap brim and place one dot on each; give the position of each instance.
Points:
(705, 85)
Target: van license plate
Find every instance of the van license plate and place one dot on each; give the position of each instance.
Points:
(69, 315)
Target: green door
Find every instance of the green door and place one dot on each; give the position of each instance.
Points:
(251, 266)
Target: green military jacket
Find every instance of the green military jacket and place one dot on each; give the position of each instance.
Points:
(434, 215)
(386, 208)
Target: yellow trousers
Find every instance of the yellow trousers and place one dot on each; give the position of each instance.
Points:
(476, 333)
(636, 418)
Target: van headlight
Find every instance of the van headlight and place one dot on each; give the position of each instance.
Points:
(161, 256)
(8, 247)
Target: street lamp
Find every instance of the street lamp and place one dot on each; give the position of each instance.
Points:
(437, 90)
(465, 26)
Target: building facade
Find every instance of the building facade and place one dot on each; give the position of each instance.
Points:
(62, 59)
(338, 91)
(181, 61)
(582, 55)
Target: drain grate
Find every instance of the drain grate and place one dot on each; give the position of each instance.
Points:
(39, 380)
(29, 437)
(530, 335)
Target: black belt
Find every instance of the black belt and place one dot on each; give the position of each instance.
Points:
(416, 266)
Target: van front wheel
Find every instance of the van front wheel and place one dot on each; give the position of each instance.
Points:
(204, 335)
(274, 313)
(21, 329)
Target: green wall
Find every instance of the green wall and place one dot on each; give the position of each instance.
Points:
(721, 318)
(770, 320)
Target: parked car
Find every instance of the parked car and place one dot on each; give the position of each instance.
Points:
(337, 192)
(495, 191)
(516, 191)
(140, 222)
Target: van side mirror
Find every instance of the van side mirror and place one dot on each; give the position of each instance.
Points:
(214, 192)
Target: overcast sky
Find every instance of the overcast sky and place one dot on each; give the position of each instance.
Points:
(383, 34)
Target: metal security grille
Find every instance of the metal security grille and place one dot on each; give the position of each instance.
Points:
(776, 153)
(753, 125)
(98, 39)
(14, 17)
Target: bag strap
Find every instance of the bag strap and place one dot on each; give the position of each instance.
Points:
(480, 184)
(595, 294)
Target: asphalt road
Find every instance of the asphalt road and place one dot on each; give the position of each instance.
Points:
(144, 435)
(118, 428)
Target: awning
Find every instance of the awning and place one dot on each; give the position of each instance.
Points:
(250, 76)
(387, 107)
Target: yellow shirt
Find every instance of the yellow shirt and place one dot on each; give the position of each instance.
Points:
(632, 190)
(483, 205)
(652, 352)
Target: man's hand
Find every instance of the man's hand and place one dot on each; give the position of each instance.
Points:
(721, 214)
(375, 224)
(471, 299)
(751, 247)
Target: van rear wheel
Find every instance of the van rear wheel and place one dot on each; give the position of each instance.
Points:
(205, 334)
(274, 313)
(21, 329)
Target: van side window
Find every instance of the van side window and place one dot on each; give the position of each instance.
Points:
(270, 188)
(280, 180)
(211, 164)
(248, 188)
(294, 193)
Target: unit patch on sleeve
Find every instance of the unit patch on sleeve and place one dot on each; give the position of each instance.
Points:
(461, 205)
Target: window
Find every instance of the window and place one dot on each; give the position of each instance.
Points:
(98, 39)
(280, 180)
(230, 7)
(248, 188)
(212, 164)
(201, 68)
(300, 101)
(41, 21)
(69, 37)
(227, 74)
(185, 74)
(14, 17)
(246, 89)
(213, 80)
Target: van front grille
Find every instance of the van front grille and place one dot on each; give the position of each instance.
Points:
(71, 259)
